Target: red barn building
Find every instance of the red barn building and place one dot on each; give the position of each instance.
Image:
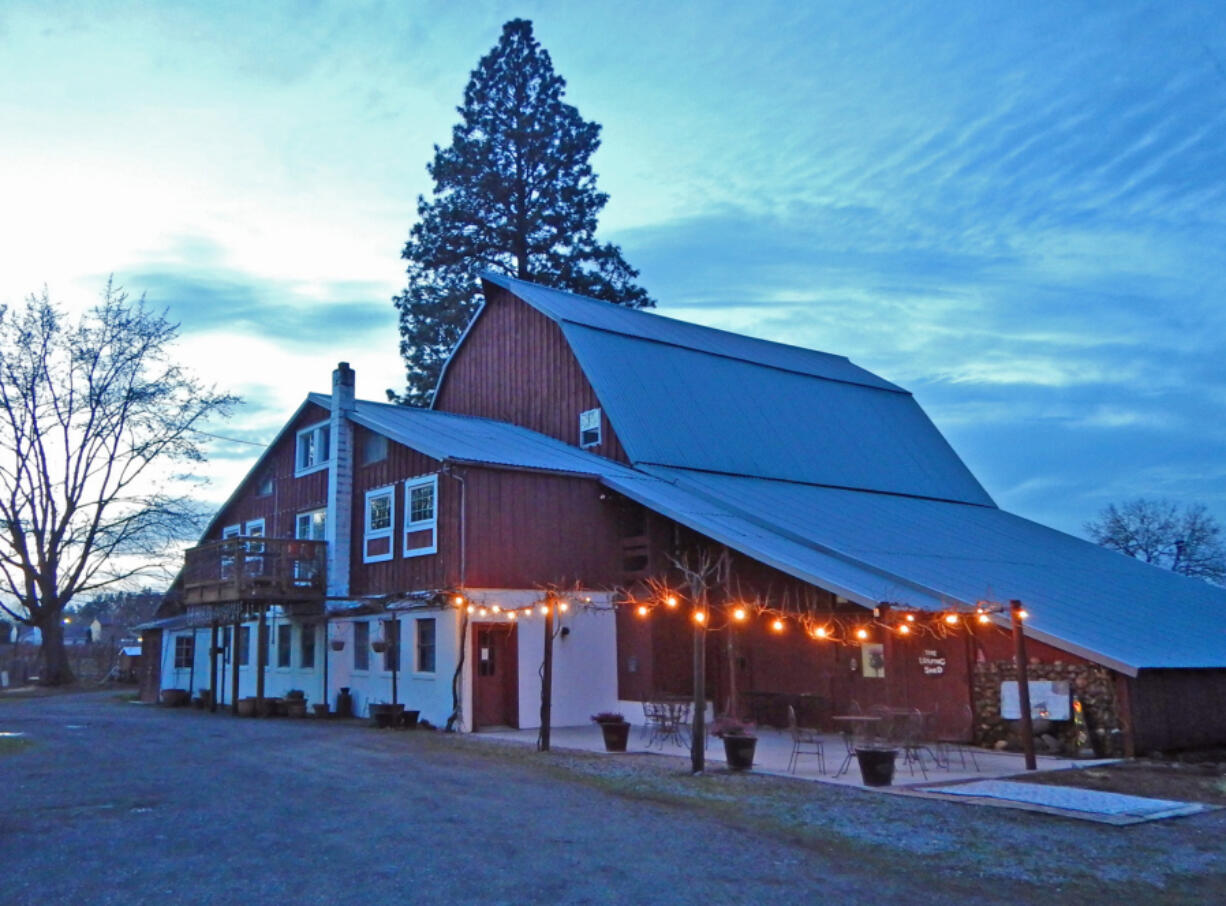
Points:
(579, 453)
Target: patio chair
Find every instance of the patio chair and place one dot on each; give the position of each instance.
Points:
(913, 742)
(804, 742)
(959, 740)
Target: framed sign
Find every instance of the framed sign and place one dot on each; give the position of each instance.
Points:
(1048, 698)
(932, 662)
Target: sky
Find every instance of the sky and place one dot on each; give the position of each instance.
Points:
(1015, 211)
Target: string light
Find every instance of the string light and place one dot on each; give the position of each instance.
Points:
(511, 615)
(472, 609)
(481, 611)
(862, 633)
(904, 629)
(777, 625)
(458, 600)
(699, 617)
(544, 609)
(496, 609)
(984, 618)
(820, 632)
(643, 611)
(1021, 614)
(671, 600)
(951, 619)
(563, 607)
(739, 614)
(910, 618)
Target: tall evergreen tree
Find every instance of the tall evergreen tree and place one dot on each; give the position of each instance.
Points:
(515, 193)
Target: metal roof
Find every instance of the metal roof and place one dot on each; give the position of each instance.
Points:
(569, 307)
(446, 435)
(687, 408)
(1083, 598)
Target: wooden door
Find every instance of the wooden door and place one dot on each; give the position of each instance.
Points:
(495, 675)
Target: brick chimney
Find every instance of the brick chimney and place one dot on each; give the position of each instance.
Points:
(339, 527)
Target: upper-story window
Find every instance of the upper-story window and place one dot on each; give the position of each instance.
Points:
(380, 515)
(589, 428)
(421, 516)
(374, 448)
(314, 449)
(266, 484)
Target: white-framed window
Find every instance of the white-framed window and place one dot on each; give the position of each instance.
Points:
(255, 562)
(227, 556)
(311, 525)
(244, 646)
(380, 517)
(425, 646)
(361, 646)
(185, 651)
(589, 428)
(421, 516)
(314, 449)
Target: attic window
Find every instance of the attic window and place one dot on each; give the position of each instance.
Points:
(314, 449)
(266, 485)
(589, 428)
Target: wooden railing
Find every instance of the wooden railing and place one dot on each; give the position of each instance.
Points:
(252, 570)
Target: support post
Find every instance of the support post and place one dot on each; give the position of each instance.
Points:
(234, 665)
(213, 690)
(542, 743)
(1023, 684)
(327, 649)
(261, 655)
(698, 730)
(394, 645)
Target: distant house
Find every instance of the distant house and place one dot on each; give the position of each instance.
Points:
(576, 452)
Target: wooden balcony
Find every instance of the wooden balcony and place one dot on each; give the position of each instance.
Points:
(252, 572)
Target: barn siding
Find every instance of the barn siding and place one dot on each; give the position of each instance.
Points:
(1178, 709)
(290, 495)
(516, 366)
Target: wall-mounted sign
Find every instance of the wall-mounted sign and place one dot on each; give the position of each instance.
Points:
(873, 657)
(932, 662)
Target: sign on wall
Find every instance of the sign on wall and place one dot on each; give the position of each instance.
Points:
(932, 662)
(873, 656)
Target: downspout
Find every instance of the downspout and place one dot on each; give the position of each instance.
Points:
(457, 709)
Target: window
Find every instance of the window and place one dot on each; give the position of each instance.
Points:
(374, 449)
(254, 565)
(589, 428)
(285, 642)
(391, 654)
(266, 484)
(227, 551)
(361, 646)
(225, 645)
(425, 645)
(306, 652)
(311, 526)
(314, 449)
(244, 645)
(185, 651)
(421, 516)
(380, 514)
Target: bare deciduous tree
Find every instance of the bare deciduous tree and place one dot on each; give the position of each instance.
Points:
(1186, 539)
(91, 412)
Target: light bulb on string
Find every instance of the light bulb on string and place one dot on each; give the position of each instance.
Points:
(777, 625)
(862, 633)
(699, 617)
(643, 611)
(671, 601)
(739, 614)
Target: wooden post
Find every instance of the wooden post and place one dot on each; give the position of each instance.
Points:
(213, 690)
(542, 742)
(1023, 684)
(191, 673)
(698, 730)
(234, 665)
(327, 654)
(394, 646)
(261, 645)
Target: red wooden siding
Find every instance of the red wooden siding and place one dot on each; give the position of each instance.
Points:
(402, 574)
(516, 366)
(290, 495)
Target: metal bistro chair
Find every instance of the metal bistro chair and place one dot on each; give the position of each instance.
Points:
(958, 741)
(913, 742)
(800, 740)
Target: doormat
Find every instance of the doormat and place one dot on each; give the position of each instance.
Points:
(1068, 801)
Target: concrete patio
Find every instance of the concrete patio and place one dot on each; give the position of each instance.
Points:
(775, 748)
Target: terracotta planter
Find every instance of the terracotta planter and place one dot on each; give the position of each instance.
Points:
(738, 750)
(616, 735)
(295, 707)
(246, 707)
(385, 715)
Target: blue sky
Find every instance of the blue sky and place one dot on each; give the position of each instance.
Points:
(1018, 212)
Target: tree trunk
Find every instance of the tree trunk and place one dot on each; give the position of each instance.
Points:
(56, 670)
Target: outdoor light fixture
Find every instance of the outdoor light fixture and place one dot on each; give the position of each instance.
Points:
(820, 632)
(496, 609)
(699, 616)
(642, 610)
(862, 633)
(458, 600)
(544, 609)
(904, 629)
(777, 625)
(671, 600)
(738, 614)
(951, 619)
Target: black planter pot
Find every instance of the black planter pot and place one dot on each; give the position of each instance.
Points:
(739, 751)
(409, 719)
(876, 766)
(616, 735)
(385, 715)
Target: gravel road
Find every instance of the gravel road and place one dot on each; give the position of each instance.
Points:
(115, 802)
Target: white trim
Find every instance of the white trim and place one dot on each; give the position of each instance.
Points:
(421, 525)
(417, 672)
(590, 420)
(369, 535)
(321, 462)
(231, 531)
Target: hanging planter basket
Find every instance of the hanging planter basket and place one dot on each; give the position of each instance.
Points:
(379, 646)
(338, 644)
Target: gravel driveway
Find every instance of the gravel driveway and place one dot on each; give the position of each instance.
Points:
(125, 803)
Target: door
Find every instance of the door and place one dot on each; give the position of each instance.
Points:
(495, 675)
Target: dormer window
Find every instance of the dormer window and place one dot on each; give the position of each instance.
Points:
(314, 449)
(589, 428)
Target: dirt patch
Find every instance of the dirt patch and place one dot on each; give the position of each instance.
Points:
(1156, 780)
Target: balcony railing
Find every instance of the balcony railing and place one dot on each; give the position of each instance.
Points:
(248, 570)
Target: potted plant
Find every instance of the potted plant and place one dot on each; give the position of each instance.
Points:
(615, 728)
(295, 703)
(321, 709)
(337, 642)
(739, 741)
(386, 715)
(876, 763)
